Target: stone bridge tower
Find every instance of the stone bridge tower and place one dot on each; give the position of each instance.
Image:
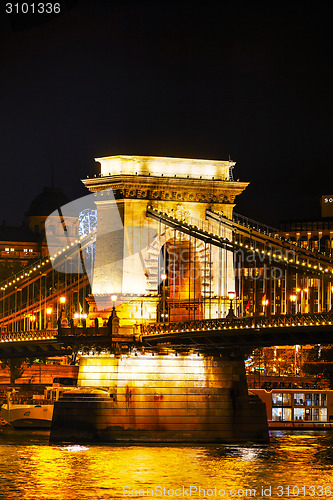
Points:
(174, 277)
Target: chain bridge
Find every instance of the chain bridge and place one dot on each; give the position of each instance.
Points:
(207, 276)
(163, 298)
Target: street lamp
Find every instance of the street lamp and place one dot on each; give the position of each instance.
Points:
(63, 320)
(32, 320)
(293, 299)
(49, 311)
(264, 304)
(79, 317)
(231, 315)
(279, 360)
(295, 359)
(62, 302)
(114, 298)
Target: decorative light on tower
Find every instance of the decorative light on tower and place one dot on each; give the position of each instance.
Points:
(87, 224)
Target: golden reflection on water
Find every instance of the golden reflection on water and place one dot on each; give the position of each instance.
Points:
(35, 470)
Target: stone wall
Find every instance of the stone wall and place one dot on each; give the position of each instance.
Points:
(191, 398)
(40, 374)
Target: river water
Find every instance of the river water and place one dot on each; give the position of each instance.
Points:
(296, 464)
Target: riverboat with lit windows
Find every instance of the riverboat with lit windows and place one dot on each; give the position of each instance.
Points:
(297, 408)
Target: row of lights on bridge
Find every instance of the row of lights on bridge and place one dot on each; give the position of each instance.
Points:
(37, 267)
(265, 301)
(92, 232)
(26, 274)
(49, 311)
(62, 301)
(76, 315)
(249, 327)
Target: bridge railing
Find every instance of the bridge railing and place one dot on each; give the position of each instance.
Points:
(77, 331)
(28, 335)
(251, 223)
(287, 320)
(65, 333)
(251, 322)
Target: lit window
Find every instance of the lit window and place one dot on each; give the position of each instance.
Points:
(6, 249)
(299, 399)
(25, 250)
(312, 399)
(281, 414)
(323, 414)
(281, 403)
(281, 399)
(12, 249)
(299, 413)
(315, 414)
(30, 250)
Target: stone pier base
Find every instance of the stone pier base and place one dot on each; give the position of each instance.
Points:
(160, 398)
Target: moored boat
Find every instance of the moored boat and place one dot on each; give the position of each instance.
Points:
(297, 408)
(36, 413)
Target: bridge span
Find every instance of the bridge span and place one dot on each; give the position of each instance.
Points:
(244, 334)
(249, 333)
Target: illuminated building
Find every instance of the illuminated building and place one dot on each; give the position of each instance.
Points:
(315, 234)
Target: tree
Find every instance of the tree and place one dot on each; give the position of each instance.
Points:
(277, 361)
(320, 362)
(16, 367)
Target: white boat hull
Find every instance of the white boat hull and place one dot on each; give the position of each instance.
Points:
(28, 416)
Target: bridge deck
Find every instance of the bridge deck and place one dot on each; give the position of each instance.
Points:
(246, 333)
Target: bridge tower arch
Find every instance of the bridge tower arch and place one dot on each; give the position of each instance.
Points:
(179, 186)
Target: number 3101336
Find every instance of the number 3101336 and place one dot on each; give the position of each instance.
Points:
(33, 8)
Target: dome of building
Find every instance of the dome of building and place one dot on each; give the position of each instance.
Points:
(47, 202)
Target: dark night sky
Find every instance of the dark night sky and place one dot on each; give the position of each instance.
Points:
(253, 81)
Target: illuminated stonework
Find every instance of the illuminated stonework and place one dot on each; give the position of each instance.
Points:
(186, 188)
(175, 180)
(160, 398)
(162, 166)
